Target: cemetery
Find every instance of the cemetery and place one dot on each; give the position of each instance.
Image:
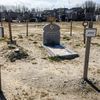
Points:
(50, 60)
(38, 75)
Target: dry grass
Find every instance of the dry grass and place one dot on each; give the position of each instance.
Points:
(38, 78)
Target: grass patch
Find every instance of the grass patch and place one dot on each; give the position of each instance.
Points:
(98, 35)
(35, 42)
(1, 39)
(20, 36)
(97, 44)
(66, 38)
(55, 58)
(78, 45)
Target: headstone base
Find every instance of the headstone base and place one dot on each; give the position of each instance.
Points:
(60, 51)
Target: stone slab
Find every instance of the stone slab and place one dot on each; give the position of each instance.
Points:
(61, 51)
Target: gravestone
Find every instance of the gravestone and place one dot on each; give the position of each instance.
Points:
(51, 35)
(1, 32)
(51, 42)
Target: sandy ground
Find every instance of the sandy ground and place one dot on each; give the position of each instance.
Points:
(39, 78)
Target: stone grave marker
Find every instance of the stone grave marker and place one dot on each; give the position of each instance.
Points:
(51, 42)
(51, 35)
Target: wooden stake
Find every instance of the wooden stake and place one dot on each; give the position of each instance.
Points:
(26, 27)
(0, 80)
(84, 37)
(1, 23)
(87, 53)
(71, 28)
(1, 20)
(10, 31)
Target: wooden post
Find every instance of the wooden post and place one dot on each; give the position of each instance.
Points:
(87, 53)
(1, 23)
(84, 37)
(2, 27)
(85, 24)
(2, 32)
(26, 27)
(10, 32)
(1, 20)
(0, 80)
(71, 27)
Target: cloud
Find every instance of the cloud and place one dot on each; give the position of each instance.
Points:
(44, 3)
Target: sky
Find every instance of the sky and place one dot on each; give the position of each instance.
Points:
(44, 4)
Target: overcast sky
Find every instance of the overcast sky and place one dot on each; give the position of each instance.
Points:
(45, 3)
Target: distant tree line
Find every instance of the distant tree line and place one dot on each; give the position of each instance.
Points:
(87, 11)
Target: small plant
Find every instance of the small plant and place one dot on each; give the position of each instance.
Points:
(20, 36)
(55, 58)
(78, 45)
(66, 38)
(97, 44)
(98, 35)
(17, 54)
(1, 39)
(31, 35)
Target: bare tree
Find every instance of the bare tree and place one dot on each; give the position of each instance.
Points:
(98, 9)
(89, 6)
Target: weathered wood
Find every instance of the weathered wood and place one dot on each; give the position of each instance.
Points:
(84, 37)
(10, 31)
(71, 23)
(85, 24)
(1, 23)
(87, 53)
(1, 32)
(26, 27)
(0, 80)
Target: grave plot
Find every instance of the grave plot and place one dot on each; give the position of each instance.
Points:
(51, 42)
(60, 51)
